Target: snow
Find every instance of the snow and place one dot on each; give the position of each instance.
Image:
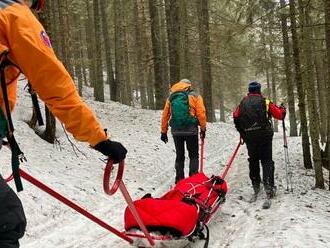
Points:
(298, 219)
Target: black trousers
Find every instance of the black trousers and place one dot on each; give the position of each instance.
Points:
(261, 150)
(192, 147)
(12, 217)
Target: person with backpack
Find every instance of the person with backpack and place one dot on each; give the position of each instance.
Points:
(252, 119)
(184, 111)
(25, 47)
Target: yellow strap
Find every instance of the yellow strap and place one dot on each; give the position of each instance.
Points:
(267, 104)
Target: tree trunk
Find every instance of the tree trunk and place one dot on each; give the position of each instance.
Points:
(300, 88)
(311, 99)
(173, 31)
(107, 46)
(273, 76)
(321, 89)
(90, 43)
(185, 43)
(77, 53)
(98, 84)
(50, 131)
(158, 60)
(288, 74)
(222, 106)
(140, 74)
(127, 93)
(119, 59)
(327, 38)
(204, 45)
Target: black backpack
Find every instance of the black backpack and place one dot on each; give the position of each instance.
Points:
(253, 114)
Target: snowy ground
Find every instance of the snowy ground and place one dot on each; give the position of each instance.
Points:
(299, 219)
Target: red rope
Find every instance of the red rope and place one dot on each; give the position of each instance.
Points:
(11, 177)
(106, 178)
(231, 160)
(118, 183)
(202, 156)
(73, 205)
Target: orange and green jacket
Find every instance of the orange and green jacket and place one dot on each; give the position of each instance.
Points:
(29, 48)
(197, 108)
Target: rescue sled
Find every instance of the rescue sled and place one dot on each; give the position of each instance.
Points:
(179, 216)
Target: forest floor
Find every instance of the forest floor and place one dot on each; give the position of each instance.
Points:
(298, 219)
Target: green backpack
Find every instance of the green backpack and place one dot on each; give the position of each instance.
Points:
(181, 117)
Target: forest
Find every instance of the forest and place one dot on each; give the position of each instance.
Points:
(129, 51)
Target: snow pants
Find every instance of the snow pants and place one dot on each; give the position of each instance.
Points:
(192, 147)
(12, 217)
(261, 150)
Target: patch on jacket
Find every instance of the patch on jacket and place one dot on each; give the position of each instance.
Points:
(45, 39)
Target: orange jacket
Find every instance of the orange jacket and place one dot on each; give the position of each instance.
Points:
(29, 48)
(197, 108)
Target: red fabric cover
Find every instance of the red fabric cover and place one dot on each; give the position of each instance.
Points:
(170, 211)
(198, 186)
(163, 213)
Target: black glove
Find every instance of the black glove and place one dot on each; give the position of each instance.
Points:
(115, 150)
(202, 134)
(164, 137)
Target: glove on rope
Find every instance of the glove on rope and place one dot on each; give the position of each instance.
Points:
(115, 150)
(164, 137)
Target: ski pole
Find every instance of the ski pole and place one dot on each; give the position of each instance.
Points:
(286, 158)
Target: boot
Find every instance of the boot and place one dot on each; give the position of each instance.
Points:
(256, 188)
(271, 192)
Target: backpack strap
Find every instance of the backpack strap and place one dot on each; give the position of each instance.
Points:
(17, 154)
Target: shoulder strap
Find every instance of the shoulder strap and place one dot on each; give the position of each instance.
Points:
(17, 154)
(177, 93)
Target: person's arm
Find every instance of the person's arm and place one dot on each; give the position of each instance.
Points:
(201, 112)
(276, 111)
(237, 112)
(30, 49)
(166, 115)
(236, 115)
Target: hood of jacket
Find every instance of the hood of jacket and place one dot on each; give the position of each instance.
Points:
(180, 86)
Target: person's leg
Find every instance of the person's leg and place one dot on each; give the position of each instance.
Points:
(12, 217)
(179, 161)
(268, 168)
(254, 165)
(192, 147)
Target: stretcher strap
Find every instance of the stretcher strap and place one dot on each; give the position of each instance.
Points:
(17, 154)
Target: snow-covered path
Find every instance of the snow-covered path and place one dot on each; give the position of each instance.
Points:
(300, 219)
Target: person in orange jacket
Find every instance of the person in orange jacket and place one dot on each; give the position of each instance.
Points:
(184, 111)
(24, 42)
